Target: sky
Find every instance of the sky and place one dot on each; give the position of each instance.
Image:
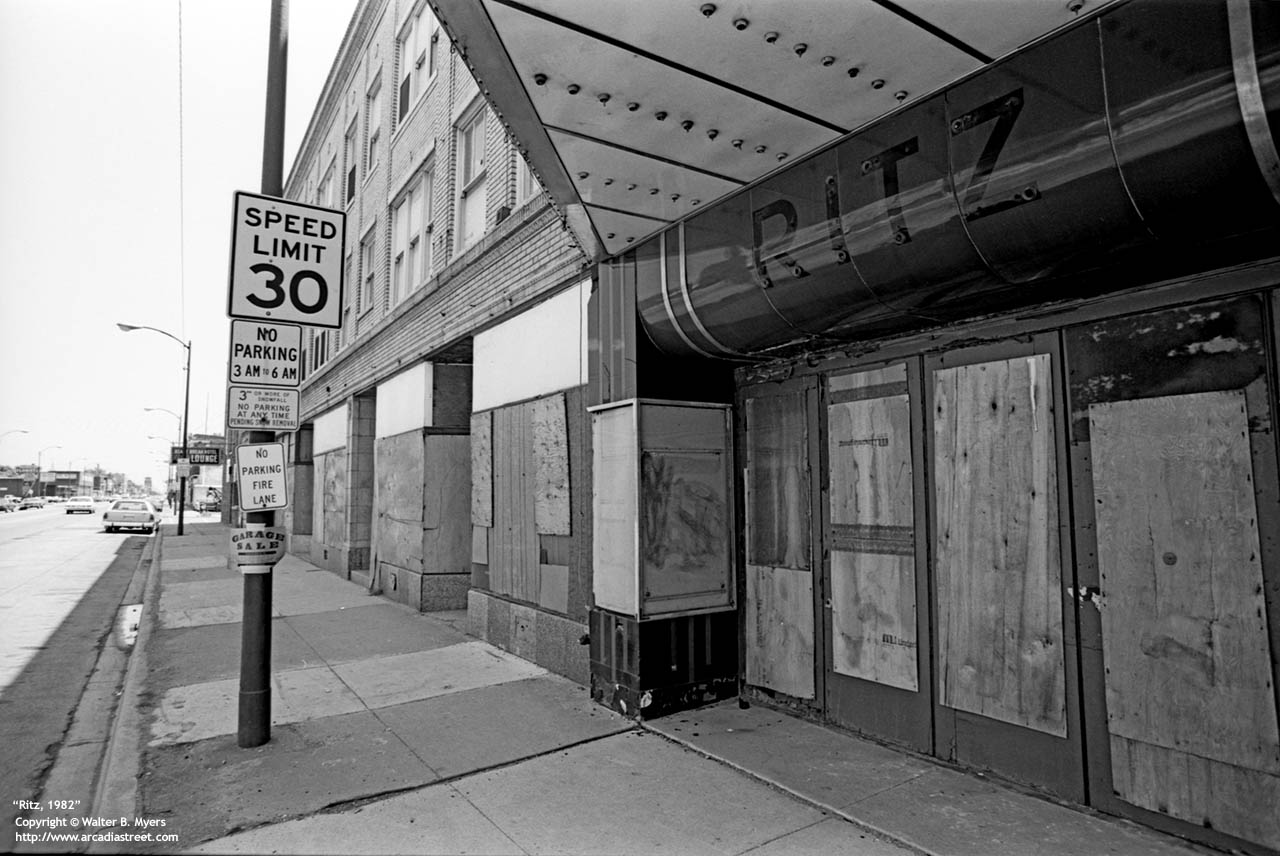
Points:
(109, 214)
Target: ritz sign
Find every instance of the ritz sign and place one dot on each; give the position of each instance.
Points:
(286, 261)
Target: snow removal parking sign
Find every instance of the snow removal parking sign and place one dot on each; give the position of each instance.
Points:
(286, 261)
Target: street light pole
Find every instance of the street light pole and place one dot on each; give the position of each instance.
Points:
(14, 431)
(186, 409)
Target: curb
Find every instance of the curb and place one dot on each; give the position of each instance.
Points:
(116, 786)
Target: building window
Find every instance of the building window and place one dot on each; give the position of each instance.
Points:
(417, 58)
(472, 195)
(324, 192)
(526, 185)
(367, 270)
(373, 124)
(402, 274)
(411, 237)
(351, 153)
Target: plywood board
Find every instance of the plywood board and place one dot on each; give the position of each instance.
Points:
(480, 545)
(513, 546)
(551, 460)
(553, 588)
(872, 528)
(1184, 621)
(998, 568)
(397, 534)
(446, 526)
(779, 630)
(482, 469)
(1231, 799)
(335, 497)
(777, 482)
(869, 450)
(873, 617)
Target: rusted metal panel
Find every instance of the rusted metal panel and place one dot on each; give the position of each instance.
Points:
(551, 465)
(1188, 667)
(998, 567)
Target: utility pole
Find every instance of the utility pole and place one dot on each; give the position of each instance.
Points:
(254, 726)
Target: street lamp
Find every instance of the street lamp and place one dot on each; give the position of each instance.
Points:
(14, 431)
(39, 467)
(186, 409)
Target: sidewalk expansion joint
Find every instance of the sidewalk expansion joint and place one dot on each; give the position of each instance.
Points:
(334, 808)
(882, 834)
(343, 806)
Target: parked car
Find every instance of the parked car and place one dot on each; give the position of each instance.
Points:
(78, 504)
(31, 502)
(131, 514)
(9, 502)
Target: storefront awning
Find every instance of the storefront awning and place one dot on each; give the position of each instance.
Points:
(635, 115)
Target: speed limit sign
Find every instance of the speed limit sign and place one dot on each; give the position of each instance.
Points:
(286, 261)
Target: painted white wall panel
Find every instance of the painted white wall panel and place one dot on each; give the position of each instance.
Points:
(538, 352)
(330, 430)
(404, 401)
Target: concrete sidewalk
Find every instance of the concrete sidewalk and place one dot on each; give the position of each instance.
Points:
(396, 732)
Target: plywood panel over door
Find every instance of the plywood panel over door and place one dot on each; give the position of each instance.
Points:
(779, 609)
(334, 497)
(397, 536)
(1190, 705)
(871, 534)
(513, 547)
(998, 563)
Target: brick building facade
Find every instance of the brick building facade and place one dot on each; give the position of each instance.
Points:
(449, 241)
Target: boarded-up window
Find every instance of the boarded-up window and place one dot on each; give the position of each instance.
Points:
(872, 534)
(778, 482)
(998, 565)
(779, 625)
(1190, 706)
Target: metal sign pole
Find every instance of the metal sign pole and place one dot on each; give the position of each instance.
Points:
(254, 727)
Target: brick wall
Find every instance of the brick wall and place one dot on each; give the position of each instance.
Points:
(522, 258)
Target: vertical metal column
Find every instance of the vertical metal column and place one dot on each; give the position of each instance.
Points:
(255, 640)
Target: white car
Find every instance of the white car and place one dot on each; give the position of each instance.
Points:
(79, 504)
(131, 514)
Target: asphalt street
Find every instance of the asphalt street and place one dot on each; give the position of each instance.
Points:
(62, 579)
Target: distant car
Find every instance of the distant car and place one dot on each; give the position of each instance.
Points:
(77, 504)
(54, 499)
(31, 502)
(131, 514)
(9, 503)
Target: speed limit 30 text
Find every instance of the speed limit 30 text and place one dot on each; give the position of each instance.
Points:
(294, 224)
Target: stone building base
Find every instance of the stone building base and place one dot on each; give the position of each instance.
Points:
(551, 641)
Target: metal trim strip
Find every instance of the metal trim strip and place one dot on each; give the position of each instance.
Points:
(666, 298)
(1244, 62)
(688, 302)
